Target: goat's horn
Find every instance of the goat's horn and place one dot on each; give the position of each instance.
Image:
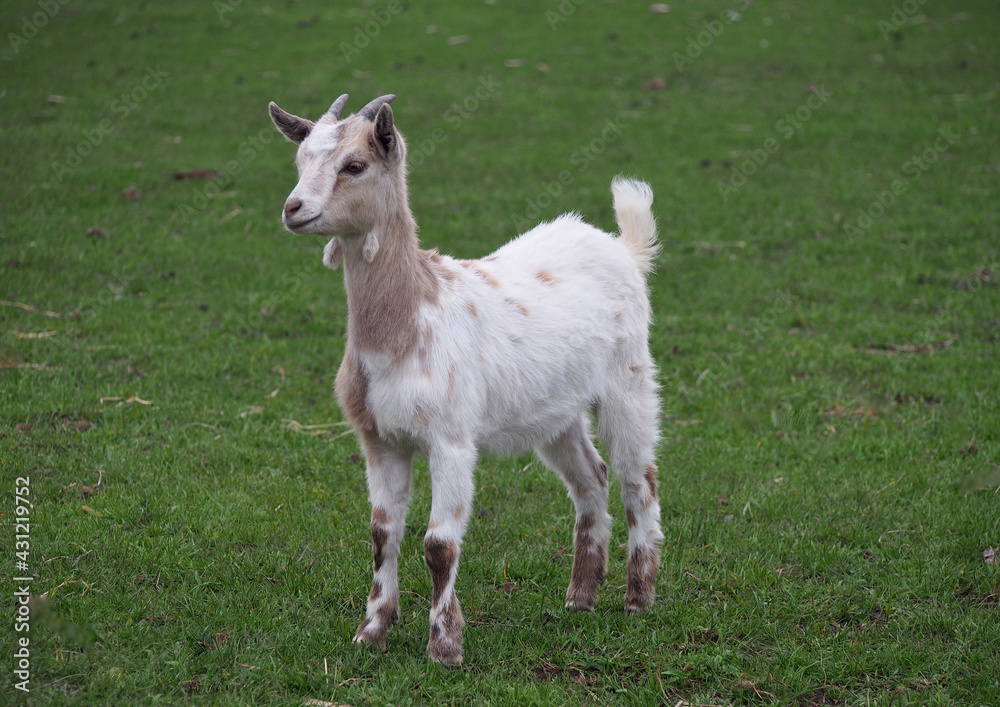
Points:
(371, 110)
(338, 105)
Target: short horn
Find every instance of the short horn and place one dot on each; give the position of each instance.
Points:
(338, 105)
(371, 110)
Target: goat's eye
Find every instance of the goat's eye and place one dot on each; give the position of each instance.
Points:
(354, 167)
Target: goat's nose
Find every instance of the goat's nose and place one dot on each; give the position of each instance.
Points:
(291, 206)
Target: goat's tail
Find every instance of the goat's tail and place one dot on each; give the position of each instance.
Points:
(633, 209)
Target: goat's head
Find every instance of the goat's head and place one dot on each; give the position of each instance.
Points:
(350, 171)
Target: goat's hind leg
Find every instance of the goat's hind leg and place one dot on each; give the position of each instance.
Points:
(389, 474)
(628, 424)
(572, 455)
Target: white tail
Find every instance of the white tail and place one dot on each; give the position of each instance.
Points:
(633, 209)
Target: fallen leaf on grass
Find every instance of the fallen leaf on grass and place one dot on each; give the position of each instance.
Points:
(195, 174)
(97, 232)
(81, 425)
(311, 702)
(895, 349)
(6, 363)
(35, 334)
(28, 308)
(192, 685)
(124, 401)
(252, 410)
(130, 194)
(657, 83)
(990, 555)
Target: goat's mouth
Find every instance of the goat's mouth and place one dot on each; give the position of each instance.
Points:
(299, 225)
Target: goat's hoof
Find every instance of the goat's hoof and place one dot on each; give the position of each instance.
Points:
(638, 603)
(450, 659)
(580, 604)
(369, 636)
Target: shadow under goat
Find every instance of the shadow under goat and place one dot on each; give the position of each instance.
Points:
(504, 354)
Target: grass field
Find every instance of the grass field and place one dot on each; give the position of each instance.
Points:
(827, 326)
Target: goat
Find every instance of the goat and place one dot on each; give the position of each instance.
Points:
(501, 355)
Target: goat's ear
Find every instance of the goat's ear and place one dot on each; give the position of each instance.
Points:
(291, 126)
(385, 133)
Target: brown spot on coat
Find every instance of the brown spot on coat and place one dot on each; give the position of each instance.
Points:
(471, 306)
(601, 473)
(642, 567)
(546, 277)
(590, 560)
(630, 518)
(379, 537)
(376, 591)
(520, 306)
(651, 480)
(380, 516)
(352, 392)
(445, 644)
(486, 277)
(441, 557)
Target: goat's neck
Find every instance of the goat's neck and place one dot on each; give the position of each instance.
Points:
(385, 293)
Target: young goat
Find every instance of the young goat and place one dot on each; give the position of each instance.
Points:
(503, 355)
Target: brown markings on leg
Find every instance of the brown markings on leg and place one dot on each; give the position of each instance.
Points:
(379, 537)
(376, 591)
(601, 473)
(630, 518)
(589, 562)
(373, 631)
(650, 476)
(642, 567)
(440, 557)
(445, 644)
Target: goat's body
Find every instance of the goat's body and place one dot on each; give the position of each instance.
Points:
(503, 355)
(525, 340)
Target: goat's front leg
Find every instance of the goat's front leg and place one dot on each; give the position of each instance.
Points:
(451, 469)
(389, 474)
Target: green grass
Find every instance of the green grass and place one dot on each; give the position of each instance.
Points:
(829, 473)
